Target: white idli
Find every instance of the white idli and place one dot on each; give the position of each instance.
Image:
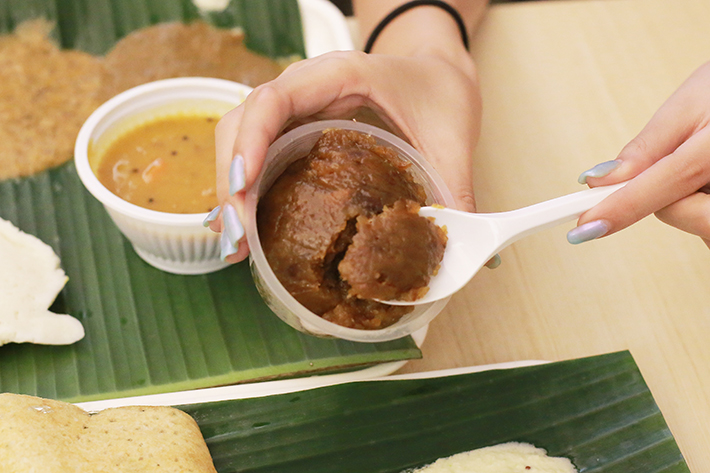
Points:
(30, 280)
(512, 457)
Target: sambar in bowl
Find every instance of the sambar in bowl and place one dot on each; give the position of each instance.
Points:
(147, 155)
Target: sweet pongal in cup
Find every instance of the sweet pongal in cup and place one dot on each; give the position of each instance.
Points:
(147, 155)
(304, 215)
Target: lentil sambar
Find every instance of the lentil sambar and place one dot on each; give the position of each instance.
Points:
(166, 164)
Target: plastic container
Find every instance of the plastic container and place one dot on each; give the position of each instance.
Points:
(176, 243)
(294, 145)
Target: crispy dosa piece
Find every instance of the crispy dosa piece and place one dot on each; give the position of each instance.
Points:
(56, 437)
(46, 94)
(178, 50)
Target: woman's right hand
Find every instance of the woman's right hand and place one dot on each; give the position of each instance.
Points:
(431, 101)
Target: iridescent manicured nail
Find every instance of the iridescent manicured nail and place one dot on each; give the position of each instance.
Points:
(226, 247)
(237, 175)
(212, 216)
(588, 231)
(232, 226)
(600, 170)
(494, 262)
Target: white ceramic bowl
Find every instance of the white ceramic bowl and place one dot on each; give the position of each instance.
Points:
(176, 243)
(295, 145)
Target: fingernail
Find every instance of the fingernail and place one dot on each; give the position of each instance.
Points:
(600, 170)
(226, 247)
(232, 226)
(212, 216)
(237, 175)
(588, 231)
(494, 262)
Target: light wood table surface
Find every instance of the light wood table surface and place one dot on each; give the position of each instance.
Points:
(566, 84)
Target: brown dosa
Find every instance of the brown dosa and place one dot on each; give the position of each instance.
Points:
(47, 93)
(56, 437)
(45, 96)
(177, 50)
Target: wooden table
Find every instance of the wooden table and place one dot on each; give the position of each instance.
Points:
(566, 84)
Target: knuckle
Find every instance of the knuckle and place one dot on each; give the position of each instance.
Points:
(691, 215)
(634, 149)
(346, 55)
(227, 121)
(266, 91)
(350, 63)
(269, 96)
(294, 66)
(466, 200)
(695, 171)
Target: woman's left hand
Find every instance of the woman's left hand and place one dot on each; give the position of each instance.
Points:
(667, 166)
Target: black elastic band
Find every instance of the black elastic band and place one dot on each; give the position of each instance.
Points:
(413, 4)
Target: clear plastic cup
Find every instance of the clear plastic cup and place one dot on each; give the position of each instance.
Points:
(297, 144)
(176, 243)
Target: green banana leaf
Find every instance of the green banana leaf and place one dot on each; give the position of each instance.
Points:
(149, 331)
(596, 411)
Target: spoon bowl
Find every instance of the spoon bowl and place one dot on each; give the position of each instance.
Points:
(474, 238)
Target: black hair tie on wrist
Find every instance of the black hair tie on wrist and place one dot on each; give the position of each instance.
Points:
(413, 4)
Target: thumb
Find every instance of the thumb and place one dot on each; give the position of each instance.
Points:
(460, 184)
(454, 163)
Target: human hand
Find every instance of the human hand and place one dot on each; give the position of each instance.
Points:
(430, 101)
(667, 166)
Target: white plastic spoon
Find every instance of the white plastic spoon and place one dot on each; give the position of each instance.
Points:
(474, 238)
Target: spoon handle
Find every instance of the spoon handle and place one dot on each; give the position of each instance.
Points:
(519, 223)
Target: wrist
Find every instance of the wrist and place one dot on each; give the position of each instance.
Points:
(425, 31)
